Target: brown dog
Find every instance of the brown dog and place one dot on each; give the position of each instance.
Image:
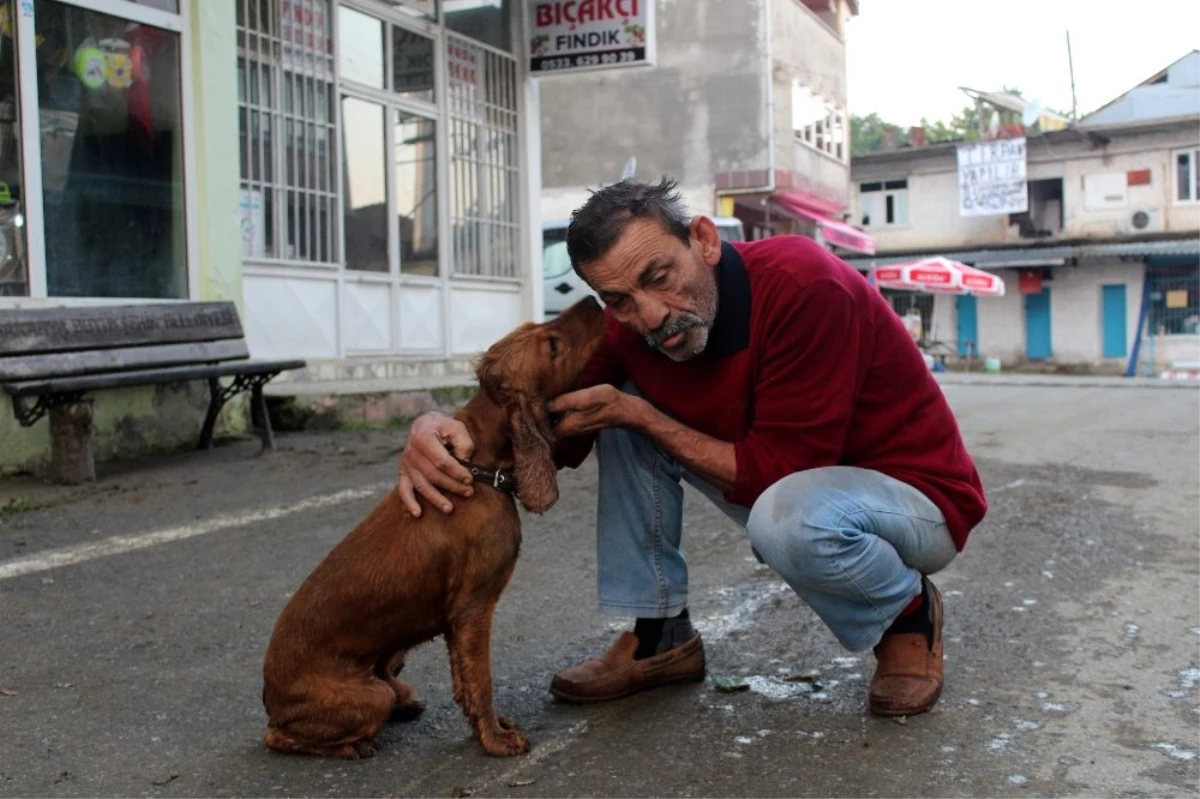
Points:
(330, 676)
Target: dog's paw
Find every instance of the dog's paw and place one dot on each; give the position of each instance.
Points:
(358, 750)
(407, 711)
(506, 741)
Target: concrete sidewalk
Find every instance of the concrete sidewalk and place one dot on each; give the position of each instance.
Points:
(1060, 381)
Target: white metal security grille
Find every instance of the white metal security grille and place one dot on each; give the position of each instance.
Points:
(485, 202)
(286, 121)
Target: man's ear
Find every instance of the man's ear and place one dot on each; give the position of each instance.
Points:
(706, 239)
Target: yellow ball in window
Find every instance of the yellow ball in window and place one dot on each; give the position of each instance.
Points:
(120, 71)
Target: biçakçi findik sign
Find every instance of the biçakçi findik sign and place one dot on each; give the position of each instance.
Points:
(575, 35)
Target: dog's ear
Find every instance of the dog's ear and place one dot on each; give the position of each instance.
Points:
(533, 449)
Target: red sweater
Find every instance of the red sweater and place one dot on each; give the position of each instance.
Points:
(807, 366)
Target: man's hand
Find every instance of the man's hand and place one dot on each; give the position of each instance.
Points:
(426, 464)
(596, 408)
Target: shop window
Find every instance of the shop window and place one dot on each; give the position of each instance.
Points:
(14, 265)
(286, 121)
(365, 185)
(484, 21)
(412, 65)
(361, 48)
(1174, 300)
(485, 197)
(112, 155)
(416, 193)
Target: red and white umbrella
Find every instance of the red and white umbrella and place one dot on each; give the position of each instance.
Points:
(940, 276)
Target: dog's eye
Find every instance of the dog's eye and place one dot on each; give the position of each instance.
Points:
(553, 346)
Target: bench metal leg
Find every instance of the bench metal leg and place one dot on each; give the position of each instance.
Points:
(216, 399)
(219, 395)
(260, 417)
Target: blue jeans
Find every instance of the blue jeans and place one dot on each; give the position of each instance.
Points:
(852, 543)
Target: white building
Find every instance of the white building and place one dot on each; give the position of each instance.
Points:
(389, 182)
(1104, 260)
(360, 176)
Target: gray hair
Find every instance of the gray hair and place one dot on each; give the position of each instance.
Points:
(597, 226)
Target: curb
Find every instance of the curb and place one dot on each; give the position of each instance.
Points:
(313, 409)
(1062, 381)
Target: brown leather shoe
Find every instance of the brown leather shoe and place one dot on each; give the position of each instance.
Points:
(908, 674)
(617, 674)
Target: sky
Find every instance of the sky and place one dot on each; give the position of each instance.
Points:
(907, 58)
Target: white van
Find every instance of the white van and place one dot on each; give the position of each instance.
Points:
(562, 287)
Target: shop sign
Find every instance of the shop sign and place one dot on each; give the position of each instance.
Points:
(588, 35)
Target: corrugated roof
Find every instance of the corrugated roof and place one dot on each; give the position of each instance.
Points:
(1173, 93)
(1037, 256)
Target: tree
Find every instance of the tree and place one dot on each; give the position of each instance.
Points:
(867, 133)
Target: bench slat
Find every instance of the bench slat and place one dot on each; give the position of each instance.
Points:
(46, 330)
(146, 376)
(65, 364)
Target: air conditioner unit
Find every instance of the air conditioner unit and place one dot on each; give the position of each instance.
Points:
(1142, 221)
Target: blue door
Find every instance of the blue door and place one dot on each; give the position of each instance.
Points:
(968, 325)
(1114, 316)
(1037, 326)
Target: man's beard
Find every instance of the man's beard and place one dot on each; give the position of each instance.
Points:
(692, 325)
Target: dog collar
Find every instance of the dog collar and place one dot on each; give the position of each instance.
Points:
(503, 480)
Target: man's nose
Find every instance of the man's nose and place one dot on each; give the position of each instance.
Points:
(653, 313)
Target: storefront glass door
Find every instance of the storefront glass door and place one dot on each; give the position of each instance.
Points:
(389, 172)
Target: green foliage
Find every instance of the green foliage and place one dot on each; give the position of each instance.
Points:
(868, 132)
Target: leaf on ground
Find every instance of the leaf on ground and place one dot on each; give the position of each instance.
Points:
(730, 685)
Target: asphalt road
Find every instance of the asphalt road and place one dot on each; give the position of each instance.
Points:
(136, 611)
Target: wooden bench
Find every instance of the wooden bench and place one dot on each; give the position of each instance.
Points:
(50, 358)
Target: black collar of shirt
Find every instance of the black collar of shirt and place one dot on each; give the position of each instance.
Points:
(731, 329)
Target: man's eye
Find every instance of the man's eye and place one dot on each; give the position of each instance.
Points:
(659, 278)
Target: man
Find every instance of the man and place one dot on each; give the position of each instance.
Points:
(773, 378)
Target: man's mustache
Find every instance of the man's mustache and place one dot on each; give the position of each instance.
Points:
(676, 324)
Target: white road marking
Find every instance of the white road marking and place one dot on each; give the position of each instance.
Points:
(118, 544)
(538, 753)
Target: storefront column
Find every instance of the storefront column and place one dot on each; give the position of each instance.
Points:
(530, 132)
(214, 232)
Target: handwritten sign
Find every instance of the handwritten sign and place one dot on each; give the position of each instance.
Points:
(991, 178)
(585, 35)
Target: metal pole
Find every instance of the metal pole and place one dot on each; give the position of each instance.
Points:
(1071, 64)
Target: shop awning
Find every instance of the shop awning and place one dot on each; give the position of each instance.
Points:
(835, 232)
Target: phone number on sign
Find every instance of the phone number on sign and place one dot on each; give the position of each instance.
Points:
(588, 60)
